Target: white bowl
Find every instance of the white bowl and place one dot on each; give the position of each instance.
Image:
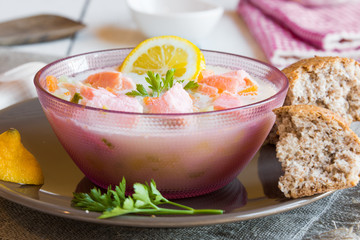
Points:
(190, 19)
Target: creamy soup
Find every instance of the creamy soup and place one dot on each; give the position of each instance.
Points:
(215, 88)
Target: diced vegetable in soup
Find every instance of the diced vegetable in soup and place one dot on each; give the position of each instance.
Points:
(215, 88)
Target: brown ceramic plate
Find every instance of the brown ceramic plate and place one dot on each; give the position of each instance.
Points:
(253, 194)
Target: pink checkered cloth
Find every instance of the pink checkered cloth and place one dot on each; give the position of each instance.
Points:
(288, 31)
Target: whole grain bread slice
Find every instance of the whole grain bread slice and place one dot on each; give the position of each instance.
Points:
(328, 82)
(317, 150)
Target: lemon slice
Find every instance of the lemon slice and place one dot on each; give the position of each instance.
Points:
(160, 54)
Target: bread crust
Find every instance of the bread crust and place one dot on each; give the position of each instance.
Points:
(317, 112)
(314, 143)
(329, 82)
(336, 71)
(293, 73)
(305, 173)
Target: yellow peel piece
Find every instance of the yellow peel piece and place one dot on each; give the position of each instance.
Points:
(17, 164)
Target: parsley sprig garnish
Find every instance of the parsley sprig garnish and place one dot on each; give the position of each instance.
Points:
(158, 84)
(144, 200)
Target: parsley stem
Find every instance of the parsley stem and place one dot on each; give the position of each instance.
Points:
(168, 211)
(189, 212)
(164, 211)
(179, 205)
(154, 206)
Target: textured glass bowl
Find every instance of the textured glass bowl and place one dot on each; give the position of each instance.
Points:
(186, 154)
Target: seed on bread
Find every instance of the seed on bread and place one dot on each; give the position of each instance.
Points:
(317, 150)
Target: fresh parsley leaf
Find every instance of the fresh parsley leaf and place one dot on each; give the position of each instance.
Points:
(155, 195)
(76, 98)
(128, 204)
(158, 84)
(145, 200)
(120, 189)
(140, 91)
(155, 82)
(93, 201)
(117, 211)
(191, 85)
(133, 93)
(169, 79)
(141, 194)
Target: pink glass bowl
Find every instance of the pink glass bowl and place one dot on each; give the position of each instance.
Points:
(186, 154)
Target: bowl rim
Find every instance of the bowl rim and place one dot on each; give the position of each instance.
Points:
(213, 9)
(272, 98)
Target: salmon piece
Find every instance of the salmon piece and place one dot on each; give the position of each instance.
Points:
(207, 90)
(112, 81)
(104, 99)
(250, 88)
(72, 88)
(175, 100)
(87, 92)
(226, 100)
(222, 82)
(248, 81)
(104, 80)
(150, 100)
(52, 83)
(205, 73)
(232, 82)
(112, 91)
(127, 84)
